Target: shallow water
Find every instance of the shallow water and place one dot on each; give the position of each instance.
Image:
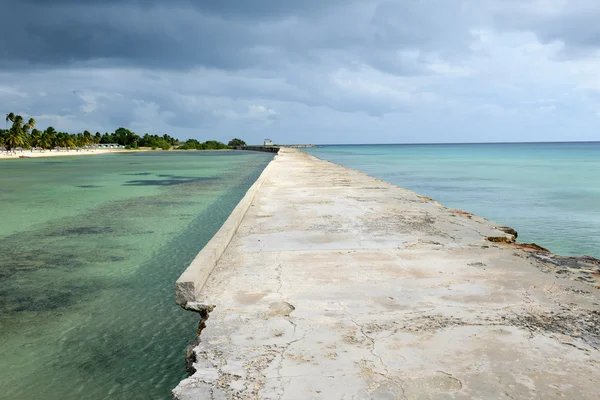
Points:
(548, 192)
(90, 248)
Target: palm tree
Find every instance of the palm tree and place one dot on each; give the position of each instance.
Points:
(87, 138)
(26, 128)
(79, 141)
(10, 117)
(36, 137)
(14, 138)
(47, 139)
(61, 139)
(4, 132)
(29, 125)
(71, 141)
(18, 122)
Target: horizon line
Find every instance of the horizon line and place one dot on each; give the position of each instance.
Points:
(449, 143)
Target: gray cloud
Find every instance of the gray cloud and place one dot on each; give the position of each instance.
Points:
(156, 34)
(250, 9)
(197, 68)
(225, 34)
(572, 23)
(234, 35)
(125, 34)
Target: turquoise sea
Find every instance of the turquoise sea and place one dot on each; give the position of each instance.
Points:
(548, 192)
(90, 248)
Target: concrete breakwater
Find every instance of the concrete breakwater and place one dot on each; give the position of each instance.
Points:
(276, 148)
(267, 149)
(331, 284)
(300, 146)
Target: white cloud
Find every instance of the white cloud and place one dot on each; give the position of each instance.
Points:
(90, 103)
(260, 112)
(7, 91)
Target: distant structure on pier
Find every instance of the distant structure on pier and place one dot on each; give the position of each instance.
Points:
(268, 142)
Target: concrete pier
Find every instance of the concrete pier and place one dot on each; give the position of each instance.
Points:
(266, 149)
(336, 285)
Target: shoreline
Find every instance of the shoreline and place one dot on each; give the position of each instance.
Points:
(365, 278)
(37, 154)
(71, 153)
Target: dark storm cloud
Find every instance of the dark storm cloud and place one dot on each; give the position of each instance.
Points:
(124, 32)
(579, 30)
(176, 34)
(245, 9)
(230, 34)
(266, 34)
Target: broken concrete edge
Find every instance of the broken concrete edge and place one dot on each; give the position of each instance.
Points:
(501, 239)
(190, 355)
(585, 268)
(191, 281)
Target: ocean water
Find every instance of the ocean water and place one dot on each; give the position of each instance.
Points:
(548, 192)
(90, 248)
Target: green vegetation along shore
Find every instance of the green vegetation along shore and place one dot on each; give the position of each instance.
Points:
(24, 135)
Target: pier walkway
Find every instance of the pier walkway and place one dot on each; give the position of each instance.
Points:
(337, 285)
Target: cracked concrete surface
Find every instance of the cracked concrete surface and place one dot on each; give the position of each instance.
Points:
(341, 286)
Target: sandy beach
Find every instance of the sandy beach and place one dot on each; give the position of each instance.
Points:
(63, 153)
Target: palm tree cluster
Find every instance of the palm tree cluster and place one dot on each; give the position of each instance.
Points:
(24, 135)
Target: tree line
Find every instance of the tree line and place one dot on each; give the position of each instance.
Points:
(22, 135)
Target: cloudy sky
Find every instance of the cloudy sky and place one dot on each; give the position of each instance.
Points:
(307, 71)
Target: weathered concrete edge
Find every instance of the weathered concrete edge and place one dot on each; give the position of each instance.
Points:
(585, 268)
(191, 281)
(505, 234)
